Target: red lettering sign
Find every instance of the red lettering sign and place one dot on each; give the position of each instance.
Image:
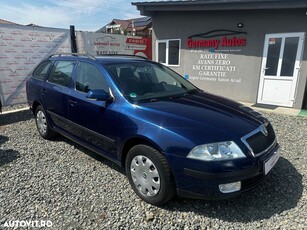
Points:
(216, 43)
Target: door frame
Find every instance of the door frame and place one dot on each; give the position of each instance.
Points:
(296, 71)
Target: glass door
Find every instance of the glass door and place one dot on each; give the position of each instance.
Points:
(281, 61)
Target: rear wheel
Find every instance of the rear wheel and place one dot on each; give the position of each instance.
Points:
(42, 123)
(150, 175)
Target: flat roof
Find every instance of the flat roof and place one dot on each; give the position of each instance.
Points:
(150, 8)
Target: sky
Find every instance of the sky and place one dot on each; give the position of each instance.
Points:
(86, 15)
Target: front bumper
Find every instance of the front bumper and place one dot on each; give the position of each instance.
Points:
(197, 179)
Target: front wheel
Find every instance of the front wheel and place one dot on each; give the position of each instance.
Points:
(42, 123)
(149, 175)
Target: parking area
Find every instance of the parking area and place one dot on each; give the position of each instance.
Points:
(73, 188)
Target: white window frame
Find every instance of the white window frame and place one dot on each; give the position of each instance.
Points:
(167, 48)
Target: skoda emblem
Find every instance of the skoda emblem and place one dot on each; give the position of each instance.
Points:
(264, 130)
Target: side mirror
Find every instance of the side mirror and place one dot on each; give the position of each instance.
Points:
(99, 95)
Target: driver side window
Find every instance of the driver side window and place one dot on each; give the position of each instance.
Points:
(165, 78)
(89, 77)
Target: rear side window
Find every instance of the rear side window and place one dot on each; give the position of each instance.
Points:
(61, 72)
(41, 71)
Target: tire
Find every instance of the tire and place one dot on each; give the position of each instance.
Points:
(42, 124)
(150, 175)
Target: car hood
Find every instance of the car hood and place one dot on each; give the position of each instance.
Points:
(203, 117)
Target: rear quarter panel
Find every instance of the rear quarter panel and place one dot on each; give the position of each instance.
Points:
(33, 89)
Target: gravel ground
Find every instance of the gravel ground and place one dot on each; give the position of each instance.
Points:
(63, 183)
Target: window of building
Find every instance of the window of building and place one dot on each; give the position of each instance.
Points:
(61, 73)
(168, 52)
(89, 77)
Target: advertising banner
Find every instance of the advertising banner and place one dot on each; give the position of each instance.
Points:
(21, 49)
(103, 44)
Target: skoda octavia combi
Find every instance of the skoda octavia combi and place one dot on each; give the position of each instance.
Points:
(171, 137)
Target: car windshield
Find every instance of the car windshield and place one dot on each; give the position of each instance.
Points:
(147, 81)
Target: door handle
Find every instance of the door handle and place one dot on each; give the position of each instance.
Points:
(72, 103)
(44, 91)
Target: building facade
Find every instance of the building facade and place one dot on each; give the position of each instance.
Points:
(250, 50)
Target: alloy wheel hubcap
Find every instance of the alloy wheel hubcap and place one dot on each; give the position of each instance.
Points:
(41, 122)
(145, 175)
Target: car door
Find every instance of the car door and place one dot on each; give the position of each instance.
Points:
(56, 90)
(94, 121)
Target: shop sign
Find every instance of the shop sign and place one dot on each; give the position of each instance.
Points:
(213, 57)
(216, 39)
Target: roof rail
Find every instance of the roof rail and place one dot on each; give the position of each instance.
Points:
(123, 55)
(73, 54)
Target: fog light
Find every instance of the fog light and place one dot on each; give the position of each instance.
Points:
(231, 187)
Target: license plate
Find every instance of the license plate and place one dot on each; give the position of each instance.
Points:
(269, 164)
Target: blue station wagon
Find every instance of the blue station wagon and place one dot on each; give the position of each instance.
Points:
(171, 137)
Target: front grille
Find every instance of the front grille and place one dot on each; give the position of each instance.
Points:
(257, 142)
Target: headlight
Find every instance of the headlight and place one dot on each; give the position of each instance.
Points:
(216, 151)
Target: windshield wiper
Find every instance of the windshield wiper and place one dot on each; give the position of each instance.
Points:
(178, 96)
(147, 100)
